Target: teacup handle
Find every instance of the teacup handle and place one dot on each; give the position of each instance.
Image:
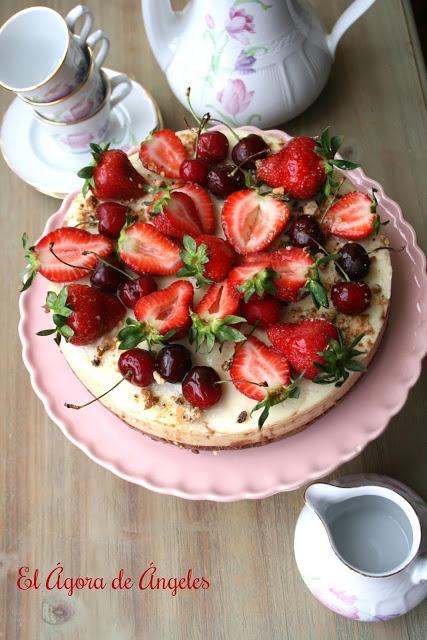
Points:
(72, 17)
(115, 82)
(92, 41)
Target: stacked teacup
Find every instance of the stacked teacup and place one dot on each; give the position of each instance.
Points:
(57, 73)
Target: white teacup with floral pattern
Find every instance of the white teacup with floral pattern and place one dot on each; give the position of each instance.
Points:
(85, 99)
(76, 136)
(40, 59)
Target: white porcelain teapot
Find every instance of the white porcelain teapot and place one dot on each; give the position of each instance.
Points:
(258, 62)
(360, 546)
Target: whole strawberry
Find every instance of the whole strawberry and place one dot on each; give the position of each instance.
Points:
(111, 176)
(304, 166)
(82, 314)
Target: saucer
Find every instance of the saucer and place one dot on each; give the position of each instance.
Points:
(37, 159)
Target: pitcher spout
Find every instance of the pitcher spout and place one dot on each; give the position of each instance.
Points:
(321, 496)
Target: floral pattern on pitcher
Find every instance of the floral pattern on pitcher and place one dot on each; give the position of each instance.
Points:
(235, 97)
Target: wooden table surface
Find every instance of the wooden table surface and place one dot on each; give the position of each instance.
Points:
(58, 506)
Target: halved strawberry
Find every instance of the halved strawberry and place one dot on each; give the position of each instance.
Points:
(353, 217)
(214, 316)
(301, 343)
(159, 316)
(146, 250)
(252, 221)
(68, 244)
(262, 373)
(293, 265)
(203, 203)
(163, 153)
(254, 277)
(219, 301)
(282, 273)
(207, 258)
(174, 214)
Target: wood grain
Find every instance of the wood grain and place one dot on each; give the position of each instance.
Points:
(56, 505)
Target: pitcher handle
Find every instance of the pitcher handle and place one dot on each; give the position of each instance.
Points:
(350, 15)
(72, 17)
(120, 79)
(419, 573)
(93, 40)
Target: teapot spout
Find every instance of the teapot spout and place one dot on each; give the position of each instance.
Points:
(163, 26)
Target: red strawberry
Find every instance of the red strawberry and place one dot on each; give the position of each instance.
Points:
(261, 312)
(281, 273)
(304, 166)
(220, 300)
(292, 264)
(68, 243)
(82, 314)
(146, 250)
(214, 317)
(251, 221)
(159, 313)
(301, 343)
(163, 153)
(207, 258)
(255, 362)
(174, 214)
(86, 319)
(112, 175)
(297, 168)
(352, 217)
(203, 203)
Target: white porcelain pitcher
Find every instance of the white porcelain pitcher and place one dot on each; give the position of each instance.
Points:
(258, 62)
(359, 546)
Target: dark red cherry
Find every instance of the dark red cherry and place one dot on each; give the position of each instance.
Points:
(107, 278)
(354, 260)
(224, 180)
(305, 231)
(248, 150)
(173, 362)
(212, 146)
(111, 218)
(138, 364)
(194, 170)
(130, 291)
(351, 298)
(200, 387)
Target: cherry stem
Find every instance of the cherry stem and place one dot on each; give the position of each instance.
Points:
(73, 266)
(251, 157)
(226, 125)
(86, 404)
(86, 253)
(332, 199)
(326, 252)
(256, 384)
(190, 107)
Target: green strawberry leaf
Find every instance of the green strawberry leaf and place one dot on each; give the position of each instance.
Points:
(194, 259)
(212, 330)
(261, 283)
(339, 361)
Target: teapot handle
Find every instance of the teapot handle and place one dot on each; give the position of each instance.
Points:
(350, 15)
